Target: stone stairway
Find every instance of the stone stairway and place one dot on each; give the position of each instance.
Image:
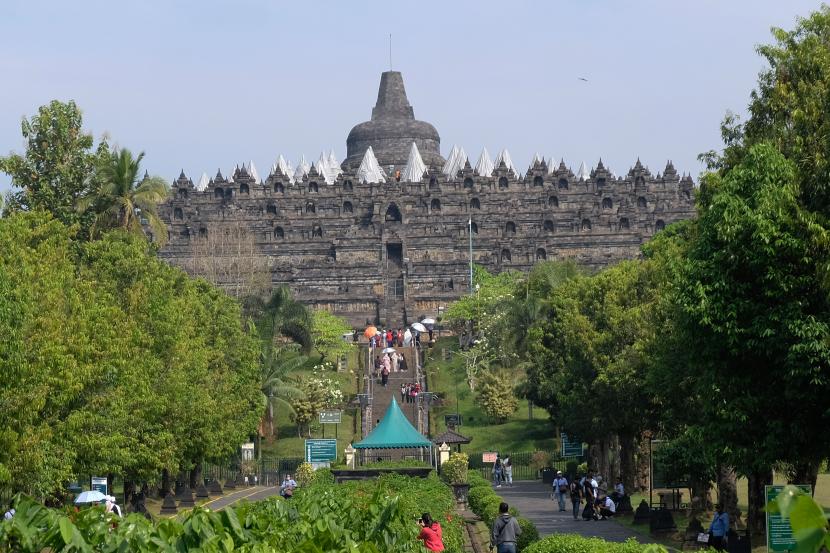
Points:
(382, 397)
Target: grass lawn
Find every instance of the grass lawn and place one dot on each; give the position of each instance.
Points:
(519, 433)
(288, 444)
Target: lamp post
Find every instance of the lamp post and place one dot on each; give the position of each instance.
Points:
(439, 322)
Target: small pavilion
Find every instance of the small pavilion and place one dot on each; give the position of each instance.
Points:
(394, 437)
(451, 438)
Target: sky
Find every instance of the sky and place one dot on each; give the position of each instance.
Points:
(208, 84)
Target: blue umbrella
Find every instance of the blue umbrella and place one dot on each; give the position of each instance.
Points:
(91, 496)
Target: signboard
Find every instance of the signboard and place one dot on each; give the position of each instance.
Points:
(570, 448)
(99, 484)
(330, 417)
(452, 420)
(320, 451)
(779, 532)
(247, 451)
(489, 456)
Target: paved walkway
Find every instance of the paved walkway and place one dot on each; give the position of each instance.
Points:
(532, 499)
(254, 493)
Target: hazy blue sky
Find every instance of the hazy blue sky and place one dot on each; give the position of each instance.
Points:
(206, 84)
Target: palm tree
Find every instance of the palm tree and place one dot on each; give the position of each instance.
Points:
(276, 364)
(281, 318)
(121, 200)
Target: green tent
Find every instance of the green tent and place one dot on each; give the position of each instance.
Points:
(394, 432)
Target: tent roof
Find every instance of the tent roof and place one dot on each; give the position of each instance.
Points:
(394, 431)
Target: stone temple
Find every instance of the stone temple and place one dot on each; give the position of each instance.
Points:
(385, 236)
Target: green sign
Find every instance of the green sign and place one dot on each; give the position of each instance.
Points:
(569, 448)
(99, 484)
(779, 532)
(320, 451)
(330, 417)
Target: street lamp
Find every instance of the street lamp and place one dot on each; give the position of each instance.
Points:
(439, 321)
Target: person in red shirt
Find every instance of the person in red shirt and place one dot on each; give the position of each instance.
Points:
(430, 533)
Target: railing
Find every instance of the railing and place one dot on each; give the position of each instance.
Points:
(269, 471)
(523, 469)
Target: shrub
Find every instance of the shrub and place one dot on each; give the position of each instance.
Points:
(490, 509)
(540, 459)
(496, 397)
(304, 474)
(572, 543)
(454, 471)
(476, 480)
(530, 533)
(478, 496)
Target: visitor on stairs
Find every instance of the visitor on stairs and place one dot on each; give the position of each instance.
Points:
(560, 489)
(407, 338)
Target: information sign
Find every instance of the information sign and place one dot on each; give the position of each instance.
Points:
(320, 451)
(452, 420)
(570, 448)
(330, 417)
(489, 456)
(99, 484)
(779, 532)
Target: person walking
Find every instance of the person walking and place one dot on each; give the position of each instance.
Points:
(497, 469)
(576, 497)
(719, 529)
(402, 363)
(508, 471)
(394, 360)
(403, 393)
(407, 338)
(506, 531)
(588, 493)
(431, 533)
(560, 489)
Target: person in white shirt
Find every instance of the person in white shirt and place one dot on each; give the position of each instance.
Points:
(560, 489)
(608, 509)
(287, 487)
(9, 514)
(112, 506)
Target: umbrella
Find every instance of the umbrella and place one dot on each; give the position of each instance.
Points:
(419, 327)
(428, 321)
(370, 331)
(389, 350)
(92, 496)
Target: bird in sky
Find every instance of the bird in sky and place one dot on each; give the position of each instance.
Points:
(582, 79)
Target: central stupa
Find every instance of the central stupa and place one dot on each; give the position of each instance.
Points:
(392, 130)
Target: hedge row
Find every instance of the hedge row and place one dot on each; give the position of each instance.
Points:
(484, 502)
(572, 543)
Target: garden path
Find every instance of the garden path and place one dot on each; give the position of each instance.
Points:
(532, 499)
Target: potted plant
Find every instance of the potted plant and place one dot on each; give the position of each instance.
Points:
(454, 473)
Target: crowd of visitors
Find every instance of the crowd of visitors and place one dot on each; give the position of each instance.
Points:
(410, 392)
(502, 471)
(599, 505)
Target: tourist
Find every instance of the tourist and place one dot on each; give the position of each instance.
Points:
(394, 360)
(560, 489)
(417, 339)
(389, 342)
(506, 530)
(402, 363)
(288, 486)
(508, 471)
(430, 533)
(403, 393)
(400, 337)
(575, 490)
(112, 506)
(246, 480)
(407, 338)
(719, 529)
(608, 508)
(384, 373)
(497, 470)
(619, 491)
(588, 493)
(416, 391)
(9, 514)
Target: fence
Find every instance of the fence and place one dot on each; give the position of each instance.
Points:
(269, 471)
(523, 466)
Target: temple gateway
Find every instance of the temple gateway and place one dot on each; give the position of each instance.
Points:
(387, 235)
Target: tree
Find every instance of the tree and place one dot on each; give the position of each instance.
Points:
(496, 397)
(121, 200)
(281, 318)
(753, 311)
(58, 166)
(327, 331)
(277, 390)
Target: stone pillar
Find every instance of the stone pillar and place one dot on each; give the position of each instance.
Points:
(443, 454)
(350, 459)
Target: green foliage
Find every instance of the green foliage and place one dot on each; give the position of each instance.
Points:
(529, 535)
(121, 200)
(362, 517)
(58, 166)
(327, 331)
(113, 361)
(572, 543)
(319, 392)
(454, 470)
(807, 519)
(495, 395)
